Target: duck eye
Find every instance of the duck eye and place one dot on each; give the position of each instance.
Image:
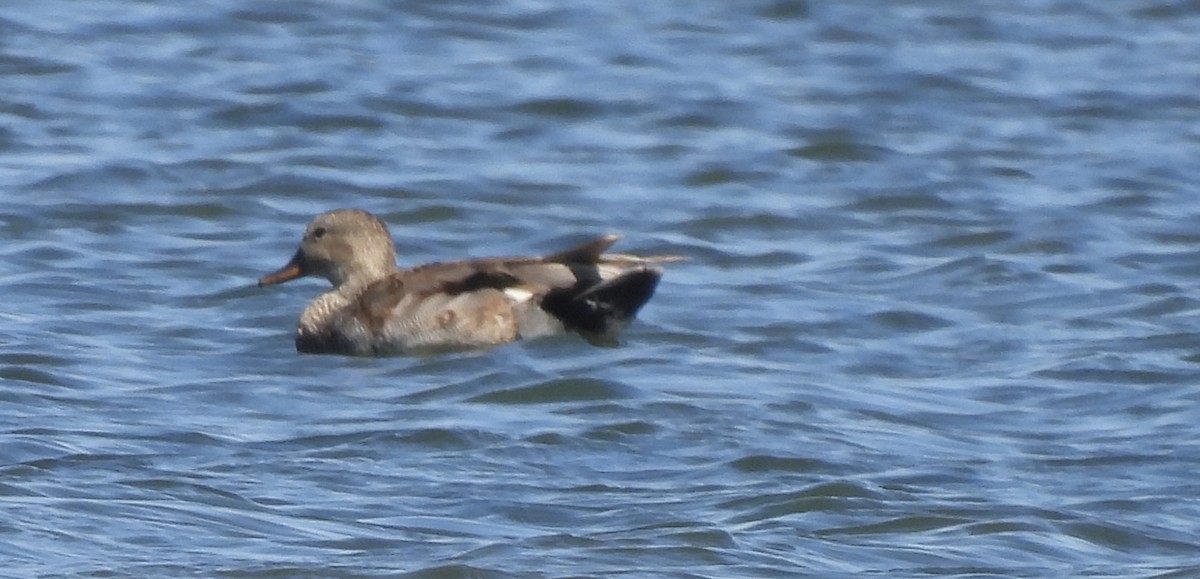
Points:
(318, 233)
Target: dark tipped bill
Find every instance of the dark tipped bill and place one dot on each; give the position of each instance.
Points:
(294, 269)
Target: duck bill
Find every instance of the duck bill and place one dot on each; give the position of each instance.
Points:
(294, 269)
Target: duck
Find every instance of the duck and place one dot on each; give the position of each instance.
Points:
(375, 308)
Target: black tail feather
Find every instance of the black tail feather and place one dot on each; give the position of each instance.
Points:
(603, 307)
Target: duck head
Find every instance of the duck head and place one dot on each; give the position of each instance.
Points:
(344, 246)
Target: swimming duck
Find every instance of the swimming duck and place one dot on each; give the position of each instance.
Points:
(375, 308)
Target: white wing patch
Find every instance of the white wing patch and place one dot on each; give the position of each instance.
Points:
(517, 294)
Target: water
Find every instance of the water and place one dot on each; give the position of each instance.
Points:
(938, 318)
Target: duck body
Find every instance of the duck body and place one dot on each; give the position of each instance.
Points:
(375, 308)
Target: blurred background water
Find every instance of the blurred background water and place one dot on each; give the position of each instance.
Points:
(938, 318)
